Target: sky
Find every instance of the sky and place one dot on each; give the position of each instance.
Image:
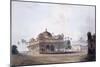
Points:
(29, 19)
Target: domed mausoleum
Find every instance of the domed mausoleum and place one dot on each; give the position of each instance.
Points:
(48, 43)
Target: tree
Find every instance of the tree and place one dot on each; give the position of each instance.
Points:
(91, 46)
(69, 44)
(89, 36)
(14, 49)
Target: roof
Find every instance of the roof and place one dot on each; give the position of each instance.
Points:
(45, 34)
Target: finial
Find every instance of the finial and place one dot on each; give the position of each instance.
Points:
(45, 29)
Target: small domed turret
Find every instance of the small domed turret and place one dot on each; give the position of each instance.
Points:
(44, 35)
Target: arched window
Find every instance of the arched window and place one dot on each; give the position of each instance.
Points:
(52, 47)
(47, 46)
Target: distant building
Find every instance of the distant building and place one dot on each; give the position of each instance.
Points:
(48, 43)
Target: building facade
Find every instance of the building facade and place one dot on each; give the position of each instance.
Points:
(48, 43)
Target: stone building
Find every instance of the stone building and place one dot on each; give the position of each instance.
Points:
(48, 43)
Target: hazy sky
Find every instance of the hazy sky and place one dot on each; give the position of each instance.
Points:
(29, 19)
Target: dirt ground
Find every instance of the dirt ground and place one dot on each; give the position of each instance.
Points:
(21, 59)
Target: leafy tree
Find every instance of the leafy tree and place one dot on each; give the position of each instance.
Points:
(14, 49)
